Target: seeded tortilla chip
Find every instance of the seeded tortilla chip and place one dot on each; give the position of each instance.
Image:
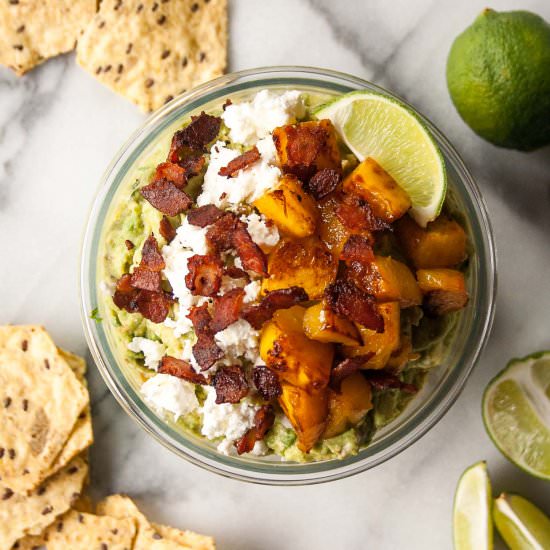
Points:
(33, 30)
(40, 401)
(188, 539)
(82, 435)
(150, 51)
(147, 538)
(80, 531)
(22, 514)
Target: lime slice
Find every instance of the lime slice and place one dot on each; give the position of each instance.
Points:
(516, 413)
(521, 524)
(472, 524)
(377, 126)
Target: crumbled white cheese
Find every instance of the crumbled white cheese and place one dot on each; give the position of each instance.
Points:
(267, 150)
(239, 340)
(252, 120)
(252, 291)
(152, 351)
(246, 186)
(189, 240)
(260, 449)
(226, 420)
(262, 233)
(227, 447)
(166, 393)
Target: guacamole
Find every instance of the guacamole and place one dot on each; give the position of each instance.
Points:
(260, 296)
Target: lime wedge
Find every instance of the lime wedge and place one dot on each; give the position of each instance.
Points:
(516, 413)
(377, 126)
(472, 525)
(521, 524)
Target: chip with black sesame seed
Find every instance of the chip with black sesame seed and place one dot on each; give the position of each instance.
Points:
(34, 30)
(41, 399)
(82, 531)
(23, 514)
(148, 51)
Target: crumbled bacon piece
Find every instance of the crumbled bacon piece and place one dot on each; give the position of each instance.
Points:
(166, 229)
(125, 296)
(230, 384)
(246, 443)
(172, 172)
(381, 380)
(346, 368)
(145, 279)
(205, 351)
(181, 369)
(141, 291)
(227, 309)
(441, 302)
(129, 244)
(251, 255)
(195, 137)
(151, 258)
(356, 215)
(266, 382)
(323, 183)
(204, 215)
(235, 272)
(283, 298)
(200, 317)
(263, 421)
(204, 276)
(166, 197)
(240, 163)
(193, 165)
(348, 300)
(154, 306)
(357, 249)
(219, 235)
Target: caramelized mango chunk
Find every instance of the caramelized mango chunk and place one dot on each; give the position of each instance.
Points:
(349, 406)
(389, 280)
(323, 325)
(382, 344)
(306, 263)
(307, 412)
(307, 147)
(331, 230)
(291, 209)
(445, 290)
(288, 352)
(441, 244)
(372, 183)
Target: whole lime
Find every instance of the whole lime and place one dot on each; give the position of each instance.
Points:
(498, 74)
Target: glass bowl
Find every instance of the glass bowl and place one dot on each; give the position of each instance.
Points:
(443, 383)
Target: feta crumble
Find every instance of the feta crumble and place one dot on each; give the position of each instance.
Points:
(239, 340)
(166, 393)
(262, 233)
(250, 121)
(246, 186)
(252, 291)
(189, 240)
(152, 351)
(226, 420)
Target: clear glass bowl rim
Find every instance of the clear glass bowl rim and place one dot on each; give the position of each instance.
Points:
(272, 474)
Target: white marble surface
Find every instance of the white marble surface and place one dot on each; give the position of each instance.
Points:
(59, 129)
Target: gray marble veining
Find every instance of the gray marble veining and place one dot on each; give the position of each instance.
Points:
(58, 131)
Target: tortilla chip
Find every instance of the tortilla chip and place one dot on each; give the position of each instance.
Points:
(121, 506)
(22, 514)
(188, 539)
(151, 51)
(33, 30)
(82, 435)
(40, 401)
(80, 531)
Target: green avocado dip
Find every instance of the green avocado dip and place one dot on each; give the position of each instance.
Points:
(226, 263)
